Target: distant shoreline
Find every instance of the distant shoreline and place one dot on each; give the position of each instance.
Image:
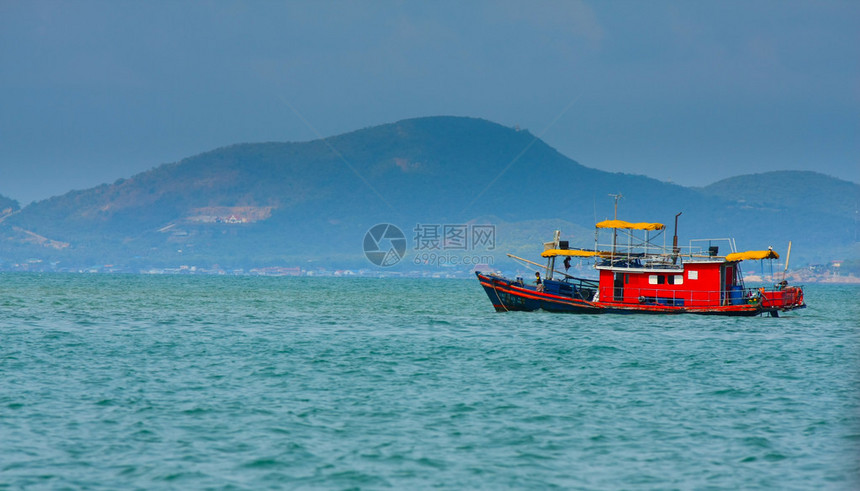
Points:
(754, 279)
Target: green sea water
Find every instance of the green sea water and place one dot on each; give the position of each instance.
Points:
(180, 382)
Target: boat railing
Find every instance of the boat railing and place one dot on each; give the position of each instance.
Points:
(662, 263)
(712, 249)
(646, 257)
(575, 282)
(646, 251)
(737, 295)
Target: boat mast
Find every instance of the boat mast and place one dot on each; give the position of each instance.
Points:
(550, 262)
(787, 257)
(675, 248)
(615, 217)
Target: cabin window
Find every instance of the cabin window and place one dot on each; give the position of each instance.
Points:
(676, 279)
(692, 275)
(656, 279)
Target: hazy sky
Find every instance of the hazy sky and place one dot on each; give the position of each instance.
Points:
(690, 92)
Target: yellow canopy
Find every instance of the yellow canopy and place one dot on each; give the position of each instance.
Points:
(628, 225)
(741, 256)
(568, 252)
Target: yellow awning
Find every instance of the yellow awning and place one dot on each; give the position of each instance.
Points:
(628, 225)
(568, 252)
(741, 256)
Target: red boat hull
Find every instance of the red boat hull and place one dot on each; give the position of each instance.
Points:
(508, 295)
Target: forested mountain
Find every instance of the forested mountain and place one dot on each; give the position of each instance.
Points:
(791, 189)
(7, 205)
(277, 203)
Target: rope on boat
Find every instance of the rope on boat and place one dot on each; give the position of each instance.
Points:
(542, 268)
(493, 281)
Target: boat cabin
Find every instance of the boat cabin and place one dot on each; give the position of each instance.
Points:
(634, 269)
(690, 284)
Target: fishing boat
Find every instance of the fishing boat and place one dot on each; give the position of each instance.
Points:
(638, 275)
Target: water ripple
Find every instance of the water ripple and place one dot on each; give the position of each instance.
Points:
(252, 383)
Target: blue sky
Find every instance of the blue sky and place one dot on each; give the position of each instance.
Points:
(689, 92)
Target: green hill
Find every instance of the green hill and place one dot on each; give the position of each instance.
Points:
(277, 203)
(7, 205)
(790, 189)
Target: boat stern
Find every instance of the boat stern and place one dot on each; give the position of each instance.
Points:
(784, 299)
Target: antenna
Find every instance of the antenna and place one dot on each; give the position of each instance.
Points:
(614, 230)
(617, 197)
